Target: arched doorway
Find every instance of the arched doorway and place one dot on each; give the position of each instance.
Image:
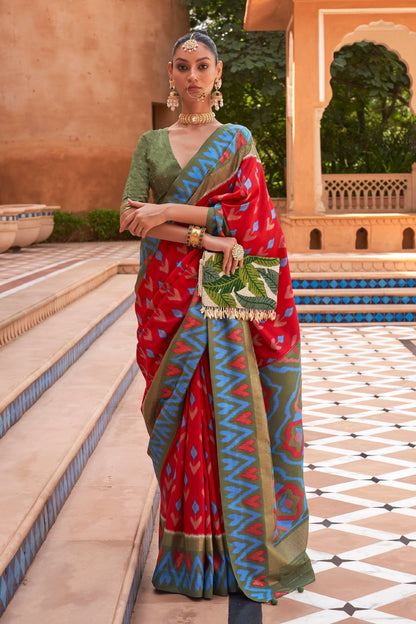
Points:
(408, 241)
(368, 132)
(399, 42)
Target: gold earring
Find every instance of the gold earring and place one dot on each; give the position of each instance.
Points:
(216, 97)
(173, 99)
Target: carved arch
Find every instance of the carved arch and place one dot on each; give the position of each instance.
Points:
(396, 38)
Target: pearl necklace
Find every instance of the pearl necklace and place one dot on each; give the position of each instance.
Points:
(196, 118)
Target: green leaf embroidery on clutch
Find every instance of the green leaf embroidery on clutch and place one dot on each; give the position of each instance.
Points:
(251, 293)
(271, 279)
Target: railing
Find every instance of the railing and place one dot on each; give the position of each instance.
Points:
(377, 192)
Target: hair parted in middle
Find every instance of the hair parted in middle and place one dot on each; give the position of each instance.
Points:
(197, 35)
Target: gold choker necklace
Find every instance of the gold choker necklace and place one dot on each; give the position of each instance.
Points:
(196, 118)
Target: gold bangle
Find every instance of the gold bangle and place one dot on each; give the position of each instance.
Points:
(201, 236)
(188, 235)
(194, 236)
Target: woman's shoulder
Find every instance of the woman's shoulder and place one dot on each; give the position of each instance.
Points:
(239, 129)
(149, 135)
(149, 138)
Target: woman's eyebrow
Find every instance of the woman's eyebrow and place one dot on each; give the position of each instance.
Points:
(205, 58)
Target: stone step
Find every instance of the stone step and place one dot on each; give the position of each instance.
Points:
(34, 361)
(353, 281)
(336, 296)
(25, 306)
(89, 568)
(352, 262)
(44, 454)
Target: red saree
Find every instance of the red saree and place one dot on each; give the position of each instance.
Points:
(223, 398)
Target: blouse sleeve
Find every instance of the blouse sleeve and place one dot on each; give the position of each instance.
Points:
(137, 185)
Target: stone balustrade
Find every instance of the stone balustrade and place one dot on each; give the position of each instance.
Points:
(22, 225)
(369, 193)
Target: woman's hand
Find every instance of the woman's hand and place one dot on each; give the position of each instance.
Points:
(224, 244)
(142, 217)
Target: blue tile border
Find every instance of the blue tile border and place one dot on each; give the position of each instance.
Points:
(356, 299)
(12, 413)
(144, 551)
(354, 283)
(14, 573)
(357, 317)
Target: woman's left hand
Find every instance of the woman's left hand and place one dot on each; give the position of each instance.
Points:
(142, 217)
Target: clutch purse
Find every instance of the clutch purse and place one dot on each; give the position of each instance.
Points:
(250, 294)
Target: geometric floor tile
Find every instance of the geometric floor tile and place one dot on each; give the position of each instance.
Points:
(361, 408)
(348, 585)
(336, 542)
(405, 608)
(402, 559)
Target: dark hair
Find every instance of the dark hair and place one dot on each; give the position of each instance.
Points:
(198, 35)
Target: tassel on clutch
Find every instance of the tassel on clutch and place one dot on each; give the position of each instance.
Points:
(250, 294)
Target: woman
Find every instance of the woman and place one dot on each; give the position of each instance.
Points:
(223, 397)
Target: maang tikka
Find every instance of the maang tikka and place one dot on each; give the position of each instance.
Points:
(216, 96)
(173, 99)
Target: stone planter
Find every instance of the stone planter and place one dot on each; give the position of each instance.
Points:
(9, 218)
(47, 223)
(28, 224)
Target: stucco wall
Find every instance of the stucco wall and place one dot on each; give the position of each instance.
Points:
(78, 82)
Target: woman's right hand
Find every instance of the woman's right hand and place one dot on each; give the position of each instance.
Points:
(225, 245)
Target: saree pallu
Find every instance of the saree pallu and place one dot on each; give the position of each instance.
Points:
(223, 398)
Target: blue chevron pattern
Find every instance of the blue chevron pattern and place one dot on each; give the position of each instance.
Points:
(242, 497)
(182, 365)
(208, 160)
(195, 574)
(244, 484)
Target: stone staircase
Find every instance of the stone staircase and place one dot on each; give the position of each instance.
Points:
(78, 496)
(354, 288)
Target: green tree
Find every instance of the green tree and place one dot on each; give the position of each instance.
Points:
(368, 126)
(253, 80)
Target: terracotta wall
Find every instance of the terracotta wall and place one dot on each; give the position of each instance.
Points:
(78, 83)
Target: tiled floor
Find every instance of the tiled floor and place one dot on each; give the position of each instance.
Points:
(29, 263)
(360, 468)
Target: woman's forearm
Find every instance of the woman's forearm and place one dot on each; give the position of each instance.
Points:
(169, 232)
(178, 234)
(184, 213)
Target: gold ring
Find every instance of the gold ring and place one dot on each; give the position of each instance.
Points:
(237, 252)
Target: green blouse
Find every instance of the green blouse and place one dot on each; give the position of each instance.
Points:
(153, 166)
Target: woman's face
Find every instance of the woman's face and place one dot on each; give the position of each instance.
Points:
(194, 73)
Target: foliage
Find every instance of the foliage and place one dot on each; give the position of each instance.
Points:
(253, 80)
(368, 126)
(67, 227)
(105, 225)
(98, 225)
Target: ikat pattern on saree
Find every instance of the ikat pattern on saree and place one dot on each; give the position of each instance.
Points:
(222, 404)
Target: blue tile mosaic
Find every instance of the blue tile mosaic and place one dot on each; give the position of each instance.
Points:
(306, 284)
(354, 299)
(358, 317)
(15, 410)
(14, 573)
